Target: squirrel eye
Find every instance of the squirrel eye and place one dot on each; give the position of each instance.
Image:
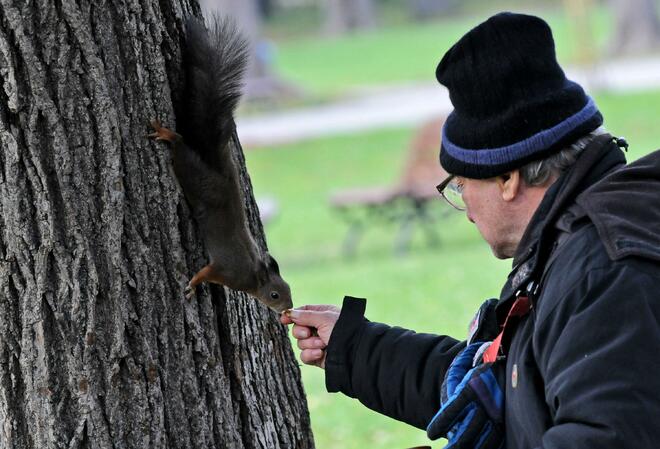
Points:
(274, 295)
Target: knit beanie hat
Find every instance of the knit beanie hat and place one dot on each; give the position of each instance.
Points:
(512, 101)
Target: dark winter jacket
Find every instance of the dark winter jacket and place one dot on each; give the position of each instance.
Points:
(585, 359)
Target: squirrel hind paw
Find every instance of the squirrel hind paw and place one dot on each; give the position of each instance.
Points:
(189, 291)
(162, 133)
(155, 124)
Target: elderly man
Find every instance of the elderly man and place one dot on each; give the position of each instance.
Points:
(567, 357)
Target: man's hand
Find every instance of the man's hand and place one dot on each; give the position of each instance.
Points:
(312, 326)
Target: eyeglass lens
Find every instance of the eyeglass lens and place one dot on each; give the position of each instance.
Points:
(453, 193)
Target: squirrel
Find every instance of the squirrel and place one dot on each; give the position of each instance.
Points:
(214, 64)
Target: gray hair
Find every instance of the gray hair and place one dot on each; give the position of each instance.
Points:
(538, 173)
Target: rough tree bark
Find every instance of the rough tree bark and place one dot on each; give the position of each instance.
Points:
(98, 348)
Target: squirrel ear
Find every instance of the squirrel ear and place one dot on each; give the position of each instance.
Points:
(262, 273)
(272, 265)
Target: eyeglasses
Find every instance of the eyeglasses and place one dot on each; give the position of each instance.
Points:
(451, 190)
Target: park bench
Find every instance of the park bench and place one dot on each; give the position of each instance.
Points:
(406, 203)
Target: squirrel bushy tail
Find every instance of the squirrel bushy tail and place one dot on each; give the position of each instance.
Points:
(214, 62)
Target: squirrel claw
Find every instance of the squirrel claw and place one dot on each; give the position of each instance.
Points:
(162, 133)
(189, 291)
(155, 124)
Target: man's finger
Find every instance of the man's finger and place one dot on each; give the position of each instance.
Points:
(311, 343)
(310, 318)
(318, 308)
(299, 331)
(311, 356)
(285, 317)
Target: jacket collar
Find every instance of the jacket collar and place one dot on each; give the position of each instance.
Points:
(600, 157)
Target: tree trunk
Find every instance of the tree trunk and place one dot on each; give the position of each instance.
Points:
(348, 15)
(637, 27)
(423, 10)
(579, 13)
(98, 348)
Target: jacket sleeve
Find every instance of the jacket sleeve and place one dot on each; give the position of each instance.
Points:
(598, 353)
(391, 370)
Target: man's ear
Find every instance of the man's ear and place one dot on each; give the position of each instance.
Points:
(509, 184)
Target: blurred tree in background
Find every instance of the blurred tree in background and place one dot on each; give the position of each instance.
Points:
(262, 83)
(348, 15)
(248, 13)
(637, 28)
(428, 9)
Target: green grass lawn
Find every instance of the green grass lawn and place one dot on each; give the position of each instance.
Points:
(430, 289)
(327, 67)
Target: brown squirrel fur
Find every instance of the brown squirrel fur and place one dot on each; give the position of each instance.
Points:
(214, 62)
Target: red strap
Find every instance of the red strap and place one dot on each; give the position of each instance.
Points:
(520, 307)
